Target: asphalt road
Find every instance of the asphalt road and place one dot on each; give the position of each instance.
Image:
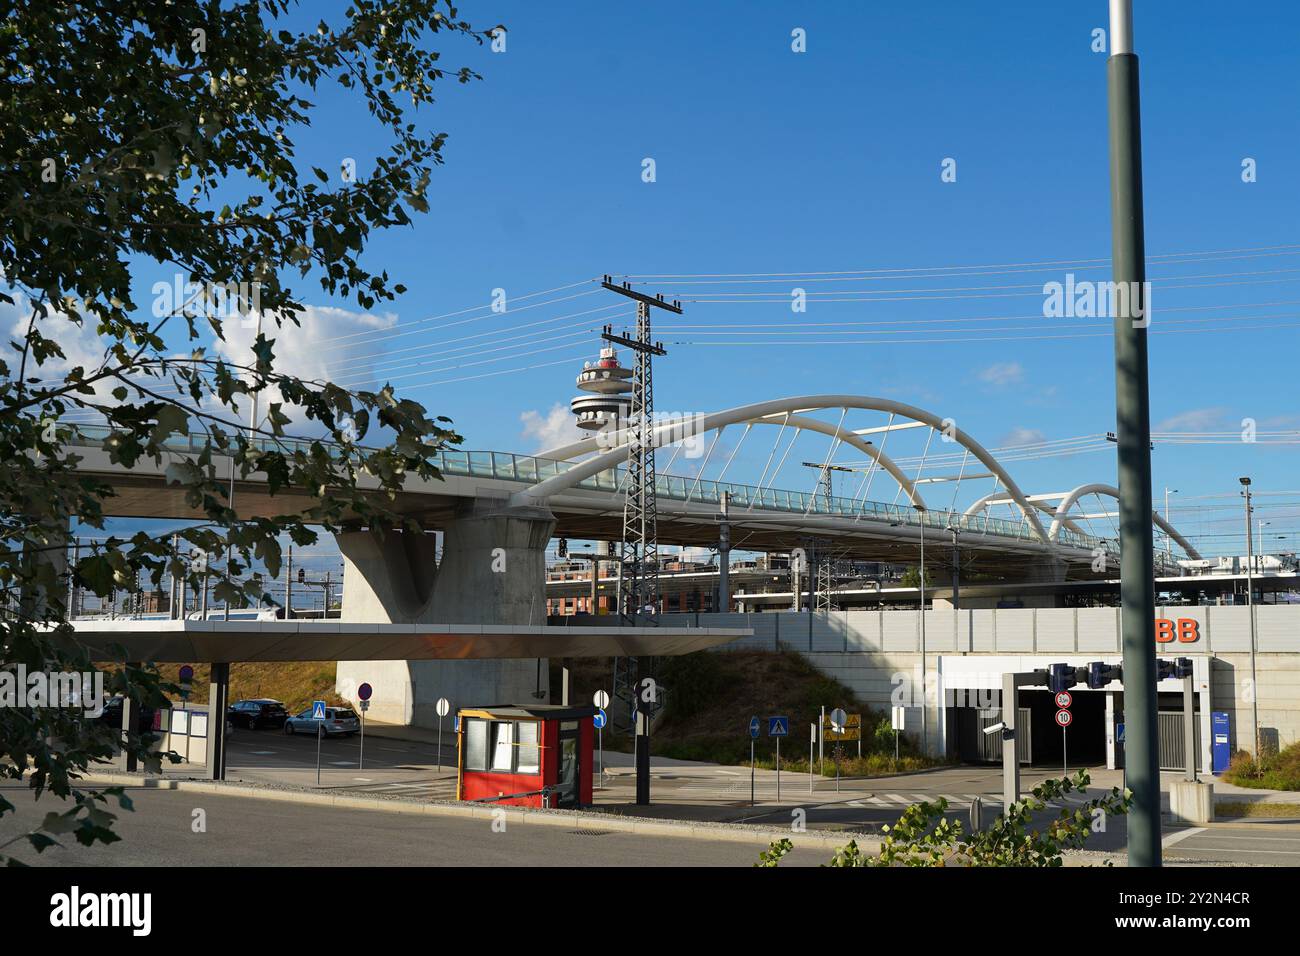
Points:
(249, 832)
(408, 769)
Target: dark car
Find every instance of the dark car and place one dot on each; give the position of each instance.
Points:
(112, 715)
(253, 714)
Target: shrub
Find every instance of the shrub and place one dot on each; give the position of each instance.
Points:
(924, 837)
(1279, 771)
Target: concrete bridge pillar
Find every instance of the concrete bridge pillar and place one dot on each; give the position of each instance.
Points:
(492, 571)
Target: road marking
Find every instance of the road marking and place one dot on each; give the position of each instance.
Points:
(340, 763)
(1180, 836)
(261, 753)
(364, 779)
(729, 773)
(1236, 849)
(1274, 838)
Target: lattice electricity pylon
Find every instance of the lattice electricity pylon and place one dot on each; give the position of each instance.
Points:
(639, 550)
(825, 583)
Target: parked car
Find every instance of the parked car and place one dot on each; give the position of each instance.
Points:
(112, 715)
(263, 712)
(339, 721)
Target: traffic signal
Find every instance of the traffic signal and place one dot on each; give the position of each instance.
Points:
(1097, 676)
(1164, 669)
(1060, 677)
(302, 575)
(1183, 667)
(562, 548)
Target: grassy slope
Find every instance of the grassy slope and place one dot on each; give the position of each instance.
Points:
(712, 696)
(297, 683)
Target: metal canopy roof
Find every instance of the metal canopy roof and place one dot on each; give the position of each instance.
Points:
(205, 642)
(530, 711)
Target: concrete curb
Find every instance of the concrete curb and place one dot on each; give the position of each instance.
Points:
(582, 819)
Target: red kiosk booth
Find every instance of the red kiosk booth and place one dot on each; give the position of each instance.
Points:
(537, 755)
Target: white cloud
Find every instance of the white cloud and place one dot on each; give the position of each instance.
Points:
(1021, 436)
(1193, 420)
(324, 346)
(1002, 374)
(556, 427)
(328, 345)
(81, 345)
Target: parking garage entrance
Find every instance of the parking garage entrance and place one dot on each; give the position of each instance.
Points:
(1039, 743)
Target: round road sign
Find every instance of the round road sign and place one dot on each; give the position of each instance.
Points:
(1064, 700)
(186, 673)
(600, 699)
(599, 720)
(755, 725)
(839, 720)
(443, 706)
(1063, 718)
(364, 692)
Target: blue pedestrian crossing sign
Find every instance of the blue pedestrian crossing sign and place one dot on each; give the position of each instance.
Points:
(1119, 733)
(778, 726)
(318, 710)
(754, 726)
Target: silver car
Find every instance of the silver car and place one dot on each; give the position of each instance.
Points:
(339, 721)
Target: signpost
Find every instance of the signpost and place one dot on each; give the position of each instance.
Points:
(601, 700)
(778, 727)
(754, 727)
(839, 725)
(599, 720)
(443, 706)
(1063, 718)
(318, 715)
(363, 695)
(897, 718)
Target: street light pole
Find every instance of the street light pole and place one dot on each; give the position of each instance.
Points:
(925, 702)
(1250, 604)
(1133, 435)
(956, 570)
(1168, 539)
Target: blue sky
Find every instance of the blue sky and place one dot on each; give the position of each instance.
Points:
(772, 161)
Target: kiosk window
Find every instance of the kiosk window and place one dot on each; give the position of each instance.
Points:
(475, 744)
(527, 732)
(503, 750)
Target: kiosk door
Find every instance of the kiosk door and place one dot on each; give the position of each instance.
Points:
(567, 779)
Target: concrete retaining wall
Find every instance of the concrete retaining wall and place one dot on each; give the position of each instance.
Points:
(868, 649)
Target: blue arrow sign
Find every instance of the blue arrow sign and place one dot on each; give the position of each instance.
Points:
(318, 710)
(754, 726)
(778, 726)
(1119, 733)
(599, 720)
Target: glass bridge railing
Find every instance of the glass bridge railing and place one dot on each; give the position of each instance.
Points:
(529, 469)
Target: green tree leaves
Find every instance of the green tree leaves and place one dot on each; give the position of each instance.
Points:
(165, 133)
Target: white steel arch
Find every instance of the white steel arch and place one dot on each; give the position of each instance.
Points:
(665, 430)
(543, 490)
(982, 505)
(1110, 491)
